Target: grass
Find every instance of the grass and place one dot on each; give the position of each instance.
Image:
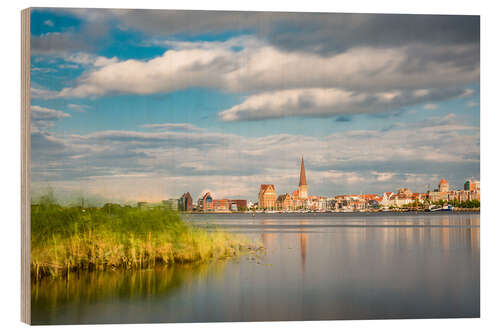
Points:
(69, 239)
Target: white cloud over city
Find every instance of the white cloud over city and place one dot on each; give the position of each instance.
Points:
(146, 105)
(123, 164)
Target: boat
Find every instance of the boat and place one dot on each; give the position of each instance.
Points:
(434, 208)
(447, 208)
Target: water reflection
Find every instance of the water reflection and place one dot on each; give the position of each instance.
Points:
(303, 247)
(316, 268)
(87, 289)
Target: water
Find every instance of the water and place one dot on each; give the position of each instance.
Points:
(317, 267)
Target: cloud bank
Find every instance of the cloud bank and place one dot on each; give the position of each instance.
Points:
(121, 164)
(280, 84)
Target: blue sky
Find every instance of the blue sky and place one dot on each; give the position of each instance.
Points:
(145, 105)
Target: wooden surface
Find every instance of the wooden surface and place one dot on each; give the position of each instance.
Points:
(25, 167)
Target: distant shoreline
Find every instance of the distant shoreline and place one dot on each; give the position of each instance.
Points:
(442, 212)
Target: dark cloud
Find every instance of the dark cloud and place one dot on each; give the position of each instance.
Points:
(88, 38)
(55, 43)
(343, 119)
(326, 33)
(315, 32)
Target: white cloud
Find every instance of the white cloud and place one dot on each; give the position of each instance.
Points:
(388, 96)
(383, 176)
(43, 70)
(42, 113)
(83, 58)
(72, 66)
(42, 93)
(317, 102)
(173, 126)
(312, 102)
(103, 61)
(43, 118)
(472, 104)
(78, 107)
(421, 92)
(261, 67)
(123, 164)
(468, 92)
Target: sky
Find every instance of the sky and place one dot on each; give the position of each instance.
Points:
(144, 105)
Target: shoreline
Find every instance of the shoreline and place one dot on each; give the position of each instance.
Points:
(65, 240)
(409, 212)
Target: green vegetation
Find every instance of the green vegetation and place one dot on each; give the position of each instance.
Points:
(466, 204)
(68, 239)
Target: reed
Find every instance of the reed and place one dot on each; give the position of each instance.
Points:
(70, 239)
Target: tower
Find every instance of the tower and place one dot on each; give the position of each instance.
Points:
(302, 182)
(443, 186)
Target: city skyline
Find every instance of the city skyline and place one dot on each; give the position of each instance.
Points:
(270, 198)
(147, 105)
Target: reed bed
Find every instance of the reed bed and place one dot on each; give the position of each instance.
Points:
(69, 239)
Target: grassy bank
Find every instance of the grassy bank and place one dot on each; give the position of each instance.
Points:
(69, 239)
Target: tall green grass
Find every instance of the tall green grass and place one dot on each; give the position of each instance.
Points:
(69, 239)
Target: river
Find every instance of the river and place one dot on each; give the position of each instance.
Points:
(315, 267)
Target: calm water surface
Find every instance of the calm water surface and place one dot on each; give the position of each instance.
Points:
(316, 267)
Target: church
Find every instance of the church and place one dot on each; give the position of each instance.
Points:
(299, 199)
(301, 194)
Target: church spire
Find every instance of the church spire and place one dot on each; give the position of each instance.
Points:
(302, 174)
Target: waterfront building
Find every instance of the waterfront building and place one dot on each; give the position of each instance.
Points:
(471, 185)
(418, 197)
(401, 200)
(387, 199)
(220, 205)
(206, 202)
(209, 204)
(331, 203)
(172, 204)
(267, 196)
(404, 191)
(284, 202)
(299, 199)
(437, 195)
(322, 203)
(186, 202)
(237, 204)
(443, 186)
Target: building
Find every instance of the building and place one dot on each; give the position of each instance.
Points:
(303, 195)
(443, 186)
(209, 204)
(172, 204)
(402, 199)
(267, 196)
(331, 203)
(206, 202)
(220, 205)
(284, 202)
(238, 204)
(471, 185)
(298, 200)
(404, 191)
(387, 199)
(437, 196)
(186, 202)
